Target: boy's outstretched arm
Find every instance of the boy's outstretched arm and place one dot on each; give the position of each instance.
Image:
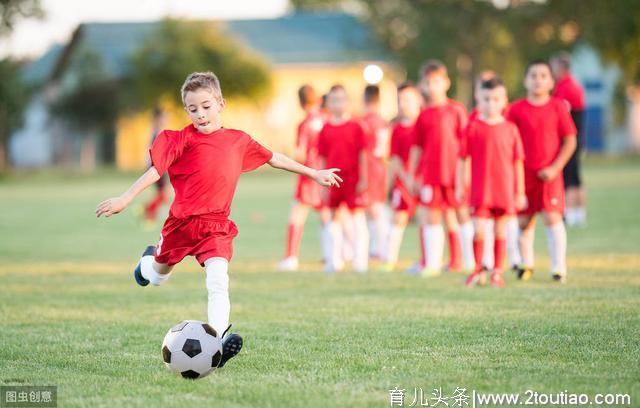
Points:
(326, 177)
(114, 205)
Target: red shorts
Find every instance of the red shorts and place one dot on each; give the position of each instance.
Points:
(490, 212)
(308, 192)
(438, 197)
(346, 194)
(402, 199)
(203, 236)
(377, 177)
(547, 196)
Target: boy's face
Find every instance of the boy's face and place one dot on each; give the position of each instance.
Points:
(337, 102)
(409, 103)
(204, 108)
(435, 85)
(491, 102)
(539, 80)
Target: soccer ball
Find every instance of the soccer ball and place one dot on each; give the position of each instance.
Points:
(192, 349)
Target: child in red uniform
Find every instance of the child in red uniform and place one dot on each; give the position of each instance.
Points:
(403, 202)
(377, 131)
(549, 139)
(342, 142)
(438, 131)
(204, 161)
(571, 91)
(494, 148)
(307, 194)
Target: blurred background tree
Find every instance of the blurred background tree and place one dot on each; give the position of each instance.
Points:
(179, 48)
(472, 35)
(13, 99)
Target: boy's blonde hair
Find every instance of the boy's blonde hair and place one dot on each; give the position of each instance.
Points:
(197, 80)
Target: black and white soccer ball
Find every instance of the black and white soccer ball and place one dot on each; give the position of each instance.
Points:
(192, 349)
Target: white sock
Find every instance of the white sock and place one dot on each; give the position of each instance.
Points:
(360, 243)
(526, 247)
(489, 236)
(570, 216)
(325, 241)
(372, 225)
(466, 243)
(557, 241)
(219, 306)
(513, 232)
(382, 232)
(149, 273)
(581, 215)
(347, 241)
(434, 240)
(394, 243)
(335, 261)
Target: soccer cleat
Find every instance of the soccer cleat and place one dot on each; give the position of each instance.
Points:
(415, 269)
(475, 279)
(525, 274)
(386, 267)
(497, 280)
(288, 264)
(430, 273)
(231, 345)
(559, 277)
(137, 273)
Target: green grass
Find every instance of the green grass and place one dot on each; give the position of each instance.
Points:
(72, 316)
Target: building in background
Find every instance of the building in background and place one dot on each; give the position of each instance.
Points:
(319, 49)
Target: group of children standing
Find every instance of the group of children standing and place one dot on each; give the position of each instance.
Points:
(475, 180)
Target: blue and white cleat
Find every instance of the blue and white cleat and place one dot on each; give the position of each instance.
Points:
(137, 273)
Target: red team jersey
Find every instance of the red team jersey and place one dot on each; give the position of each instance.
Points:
(401, 142)
(308, 191)
(341, 145)
(438, 132)
(377, 133)
(542, 129)
(204, 171)
(569, 89)
(493, 150)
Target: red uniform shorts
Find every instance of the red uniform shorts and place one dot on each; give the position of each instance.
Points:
(490, 212)
(438, 197)
(346, 194)
(402, 199)
(308, 192)
(203, 236)
(547, 196)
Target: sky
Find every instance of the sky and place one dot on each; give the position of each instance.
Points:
(32, 38)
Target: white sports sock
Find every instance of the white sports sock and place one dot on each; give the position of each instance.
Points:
(466, 242)
(360, 243)
(335, 261)
(219, 306)
(149, 273)
(382, 232)
(557, 241)
(395, 241)
(581, 215)
(374, 248)
(434, 240)
(325, 241)
(489, 236)
(346, 241)
(571, 216)
(513, 251)
(526, 247)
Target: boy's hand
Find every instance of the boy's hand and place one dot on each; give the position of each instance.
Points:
(548, 173)
(111, 206)
(521, 201)
(327, 177)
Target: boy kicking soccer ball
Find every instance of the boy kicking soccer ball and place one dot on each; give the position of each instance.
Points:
(494, 148)
(204, 161)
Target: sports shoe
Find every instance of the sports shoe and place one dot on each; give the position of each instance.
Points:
(288, 264)
(475, 279)
(497, 280)
(231, 345)
(524, 274)
(137, 273)
(430, 273)
(559, 277)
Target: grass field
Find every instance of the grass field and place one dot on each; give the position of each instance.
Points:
(72, 316)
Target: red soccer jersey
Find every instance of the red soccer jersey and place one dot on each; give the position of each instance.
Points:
(401, 142)
(438, 132)
(204, 168)
(341, 145)
(542, 129)
(307, 136)
(571, 91)
(376, 130)
(493, 150)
